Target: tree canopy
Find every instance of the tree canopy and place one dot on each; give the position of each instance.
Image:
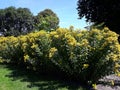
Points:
(101, 11)
(15, 21)
(47, 20)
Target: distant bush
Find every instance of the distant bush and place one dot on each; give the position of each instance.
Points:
(81, 55)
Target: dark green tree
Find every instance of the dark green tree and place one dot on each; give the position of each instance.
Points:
(15, 21)
(47, 20)
(101, 11)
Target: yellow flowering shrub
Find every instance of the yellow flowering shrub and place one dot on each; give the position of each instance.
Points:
(86, 55)
(82, 55)
(10, 48)
(16, 49)
(37, 47)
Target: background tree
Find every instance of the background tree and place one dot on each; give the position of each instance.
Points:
(101, 11)
(47, 20)
(71, 28)
(15, 21)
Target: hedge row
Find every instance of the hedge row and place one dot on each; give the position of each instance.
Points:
(82, 55)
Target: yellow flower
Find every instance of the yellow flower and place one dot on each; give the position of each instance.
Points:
(116, 70)
(62, 31)
(41, 33)
(31, 40)
(111, 39)
(94, 32)
(117, 65)
(70, 40)
(80, 35)
(1, 60)
(85, 42)
(118, 74)
(99, 37)
(115, 57)
(117, 47)
(112, 82)
(34, 46)
(52, 51)
(56, 36)
(17, 44)
(85, 66)
(26, 57)
(50, 55)
(53, 33)
(94, 86)
(22, 38)
(24, 45)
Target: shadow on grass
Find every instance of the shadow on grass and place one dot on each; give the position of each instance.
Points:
(42, 81)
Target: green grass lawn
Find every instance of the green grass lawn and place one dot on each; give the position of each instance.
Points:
(16, 78)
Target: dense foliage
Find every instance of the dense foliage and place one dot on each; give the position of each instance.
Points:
(15, 21)
(46, 20)
(81, 55)
(19, 21)
(99, 11)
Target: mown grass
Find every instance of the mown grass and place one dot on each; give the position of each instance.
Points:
(13, 77)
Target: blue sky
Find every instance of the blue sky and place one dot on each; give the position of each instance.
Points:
(65, 10)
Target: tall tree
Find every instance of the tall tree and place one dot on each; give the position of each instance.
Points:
(47, 20)
(15, 21)
(101, 11)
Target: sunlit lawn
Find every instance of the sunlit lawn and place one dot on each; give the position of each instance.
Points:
(16, 78)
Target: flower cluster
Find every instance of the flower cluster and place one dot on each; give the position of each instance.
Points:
(52, 52)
